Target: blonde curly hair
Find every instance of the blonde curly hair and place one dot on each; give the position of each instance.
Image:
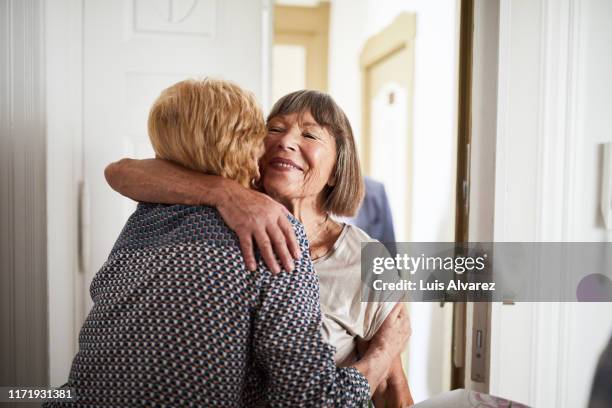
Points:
(209, 125)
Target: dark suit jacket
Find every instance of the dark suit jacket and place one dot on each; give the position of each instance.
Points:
(374, 216)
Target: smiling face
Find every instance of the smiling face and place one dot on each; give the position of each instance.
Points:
(300, 158)
(310, 156)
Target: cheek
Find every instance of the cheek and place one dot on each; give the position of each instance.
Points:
(321, 162)
(267, 143)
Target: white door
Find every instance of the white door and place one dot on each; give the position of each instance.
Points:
(549, 172)
(131, 51)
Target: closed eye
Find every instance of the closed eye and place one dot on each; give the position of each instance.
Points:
(275, 130)
(309, 135)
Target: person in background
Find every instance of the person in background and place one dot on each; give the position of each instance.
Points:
(374, 215)
(311, 169)
(177, 318)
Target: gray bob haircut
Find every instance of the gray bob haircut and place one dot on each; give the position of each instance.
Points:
(344, 197)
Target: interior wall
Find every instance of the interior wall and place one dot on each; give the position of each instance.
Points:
(434, 128)
(553, 115)
(352, 22)
(23, 273)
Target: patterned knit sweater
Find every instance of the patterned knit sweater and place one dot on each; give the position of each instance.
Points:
(179, 321)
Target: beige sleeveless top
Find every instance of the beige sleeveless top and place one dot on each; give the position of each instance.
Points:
(345, 316)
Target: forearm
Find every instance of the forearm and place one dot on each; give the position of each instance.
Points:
(396, 375)
(383, 351)
(160, 181)
(374, 366)
(250, 214)
(394, 391)
(301, 370)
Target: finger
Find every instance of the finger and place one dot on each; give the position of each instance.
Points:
(246, 247)
(282, 207)
(280, 247)
(290, 237)
(394, 314)
(265, 247)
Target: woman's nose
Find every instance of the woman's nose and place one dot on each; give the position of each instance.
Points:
(288, 141)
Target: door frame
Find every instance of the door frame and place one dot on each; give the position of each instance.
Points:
(66, 291)
(476, 170)
(398, 35)
(462, 210)
(307, 27)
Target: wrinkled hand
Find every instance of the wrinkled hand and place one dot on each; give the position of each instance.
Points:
(394, 392)
(394, 333)
(253, 215)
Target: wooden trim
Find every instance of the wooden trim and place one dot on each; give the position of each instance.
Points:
(463, 177)
(398, 35)
(464, 120)
(309, 28)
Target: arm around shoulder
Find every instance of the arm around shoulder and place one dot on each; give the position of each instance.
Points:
(161, 181)
(251, 214)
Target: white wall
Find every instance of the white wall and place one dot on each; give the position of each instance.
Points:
(434, 129)
(352, 22)
(553, 111)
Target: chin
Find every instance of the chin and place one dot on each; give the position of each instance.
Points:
(279, 189)
(278, 180)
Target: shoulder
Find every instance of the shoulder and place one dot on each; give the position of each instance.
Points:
(354, 240)
(160, 224)
(355, 236)
(346, 253)
(374, 187)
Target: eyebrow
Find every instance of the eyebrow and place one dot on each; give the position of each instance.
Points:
(304, 124)
(311, 124)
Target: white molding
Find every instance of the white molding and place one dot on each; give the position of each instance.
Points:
(63, 69)
(503, 92)
(556, 198)
(545, 348)
(541, 146)
(573, 155)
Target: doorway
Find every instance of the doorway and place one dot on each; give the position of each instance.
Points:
(300, 48)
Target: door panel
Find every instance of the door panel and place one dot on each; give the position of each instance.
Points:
(131, 51)
(390, 152)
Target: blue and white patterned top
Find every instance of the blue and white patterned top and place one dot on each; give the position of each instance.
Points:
(179, 321)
